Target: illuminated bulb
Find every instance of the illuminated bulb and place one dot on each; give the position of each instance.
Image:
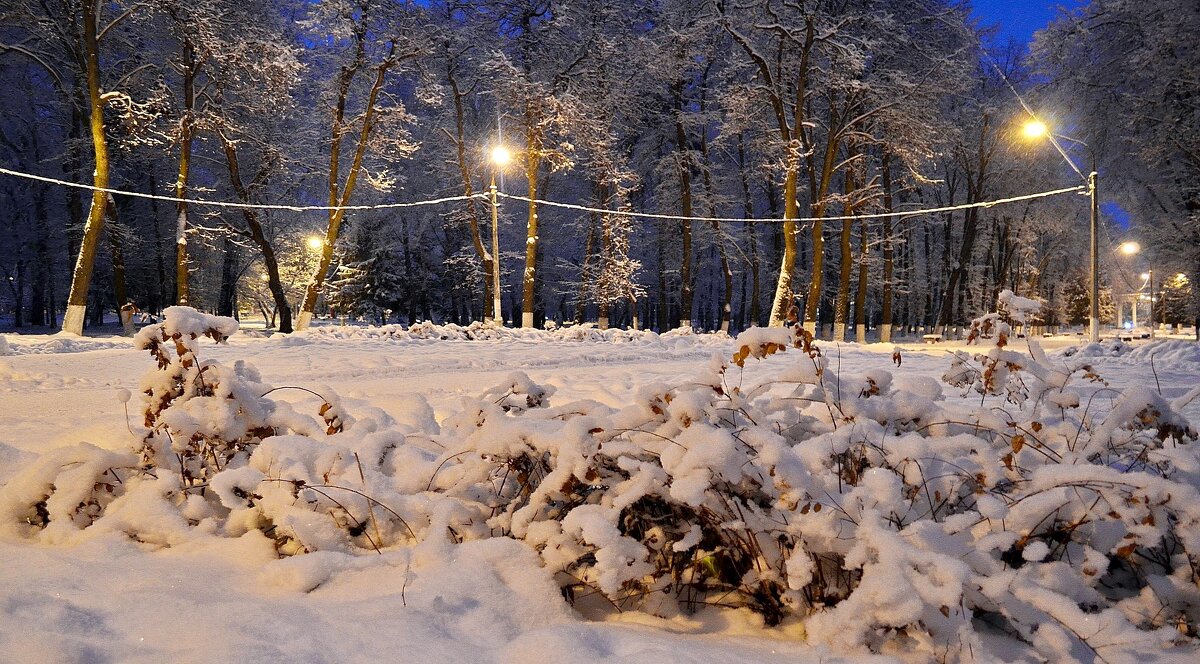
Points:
(314, 242)
(1035, 129)
(501, 155)
(1130, 248)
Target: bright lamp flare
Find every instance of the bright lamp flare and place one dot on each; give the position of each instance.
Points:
(1035, 129)
(314, 242)
(1130, 248)
(501, 155)
(1146, 276)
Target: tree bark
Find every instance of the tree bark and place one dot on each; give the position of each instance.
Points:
(533, 162)
(186, 133)
(683, 164)
(585, 275)
(460, 143)
(748, 214)
(158, 295)
(860, 296)
(339, 195)
(849, 188)
(120, 293)
(819, 187)
(885, 328)
(975, 189)
(255, 232)
(84, 264)
(718, 238)
(227, 301)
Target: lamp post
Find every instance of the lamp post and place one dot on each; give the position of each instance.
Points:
(500, 158)
(1037, 129)
(1149, 277)
(1131, 249)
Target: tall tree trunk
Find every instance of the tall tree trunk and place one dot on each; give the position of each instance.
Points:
(460, 144)
(752, 235)
(976, 179)
(227, 301)
(339, 194)
(254, 230)
(186, 133)
(783, 286)
(860, 296)
(120, 293)
(718, 237)
(687, 279)
(585, 275)
(82, 276)
(885, 328)
(533, 162)
(819, 186)
(158, 296)
(850, 187)
(604, 290)
(664, 314)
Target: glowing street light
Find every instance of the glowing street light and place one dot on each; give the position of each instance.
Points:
(1035, 129)
(501, 156)
(1129, 249)
(314, 243)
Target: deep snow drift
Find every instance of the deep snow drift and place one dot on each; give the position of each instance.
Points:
(419, 499)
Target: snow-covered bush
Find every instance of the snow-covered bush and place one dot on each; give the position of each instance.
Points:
(886, 517)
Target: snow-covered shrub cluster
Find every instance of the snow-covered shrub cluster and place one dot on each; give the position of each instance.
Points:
(886, 517)
(478, 331)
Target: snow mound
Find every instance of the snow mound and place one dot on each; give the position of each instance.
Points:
(1105, 348)
(1167, 352)
(489, 332)
(60, 344)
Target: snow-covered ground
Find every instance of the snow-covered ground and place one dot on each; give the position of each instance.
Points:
(109, 598)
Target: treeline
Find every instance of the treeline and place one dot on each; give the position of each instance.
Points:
(761, 110)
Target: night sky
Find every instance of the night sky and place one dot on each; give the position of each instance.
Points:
(1019, 19)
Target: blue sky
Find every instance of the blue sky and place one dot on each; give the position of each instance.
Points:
(1019, 19)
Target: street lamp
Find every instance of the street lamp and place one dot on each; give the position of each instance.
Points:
(1034, 129)
(500, 158)
(1129, 249)
(314, 242)
(1148, 276)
